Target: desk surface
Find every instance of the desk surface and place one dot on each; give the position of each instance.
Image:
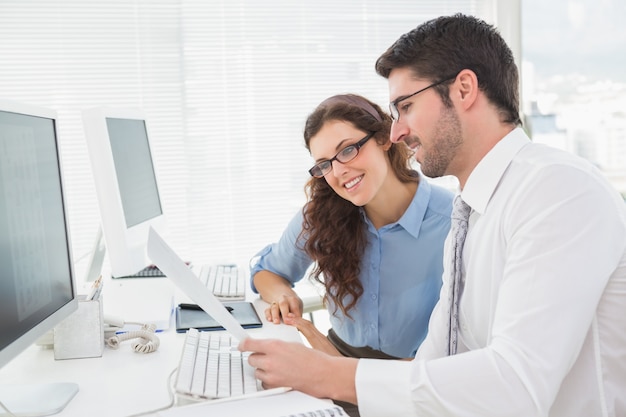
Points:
(121, 382)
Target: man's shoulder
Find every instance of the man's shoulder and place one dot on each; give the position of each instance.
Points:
(542, 155)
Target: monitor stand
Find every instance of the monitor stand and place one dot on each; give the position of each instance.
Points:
(36, 399)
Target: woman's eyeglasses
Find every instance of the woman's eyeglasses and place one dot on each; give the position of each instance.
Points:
(345, 155)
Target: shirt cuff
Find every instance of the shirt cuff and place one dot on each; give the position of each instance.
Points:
(383, 388)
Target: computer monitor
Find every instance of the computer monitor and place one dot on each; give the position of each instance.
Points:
(126, 185)
(37, 289)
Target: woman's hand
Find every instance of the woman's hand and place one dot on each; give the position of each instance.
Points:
(285, 305)
(277, 291)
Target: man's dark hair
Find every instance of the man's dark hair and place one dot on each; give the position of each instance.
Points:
(440, 48)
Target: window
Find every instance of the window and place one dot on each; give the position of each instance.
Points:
(574, 84)
(226, 86)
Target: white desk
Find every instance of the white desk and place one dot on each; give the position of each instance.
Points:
(121, 382)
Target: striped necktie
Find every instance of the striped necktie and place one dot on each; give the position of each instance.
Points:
(458, 231)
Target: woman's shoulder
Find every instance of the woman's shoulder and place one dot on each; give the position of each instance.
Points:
(441, 193)
(440, 198)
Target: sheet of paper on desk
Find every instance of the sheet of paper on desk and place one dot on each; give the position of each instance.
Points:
(292, 403)
(176, 270)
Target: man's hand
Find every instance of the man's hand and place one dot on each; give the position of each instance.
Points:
(288, 364)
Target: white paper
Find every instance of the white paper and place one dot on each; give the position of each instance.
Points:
(293, 403)
(175, 269)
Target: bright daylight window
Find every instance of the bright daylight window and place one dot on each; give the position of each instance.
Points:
(574, 79)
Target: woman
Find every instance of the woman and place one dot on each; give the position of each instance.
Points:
(372, 228)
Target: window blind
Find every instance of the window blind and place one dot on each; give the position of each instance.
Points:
(226, 85)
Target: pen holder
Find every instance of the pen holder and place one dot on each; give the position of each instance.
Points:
(81, 335)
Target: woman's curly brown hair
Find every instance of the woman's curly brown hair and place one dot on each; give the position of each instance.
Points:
(333, 228)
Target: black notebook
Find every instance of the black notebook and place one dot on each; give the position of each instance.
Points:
(243, 311)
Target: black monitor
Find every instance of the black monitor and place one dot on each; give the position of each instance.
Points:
(37, 289)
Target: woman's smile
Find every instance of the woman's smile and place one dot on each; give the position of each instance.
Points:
(350, 184)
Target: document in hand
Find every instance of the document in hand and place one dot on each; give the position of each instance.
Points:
(292, 403)
(176, 270)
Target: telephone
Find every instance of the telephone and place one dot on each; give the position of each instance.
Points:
(146, 339)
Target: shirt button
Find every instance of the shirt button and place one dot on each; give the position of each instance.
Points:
(374, 296)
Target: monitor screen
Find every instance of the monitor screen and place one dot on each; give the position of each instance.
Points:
(36, 273)
(134, 170)
(128, 195)
(35, 265)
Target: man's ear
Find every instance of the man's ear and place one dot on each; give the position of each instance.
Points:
(467, 84)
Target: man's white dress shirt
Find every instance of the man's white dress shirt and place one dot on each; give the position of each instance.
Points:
(542, 327)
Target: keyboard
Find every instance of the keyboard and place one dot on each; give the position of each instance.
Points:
(210, 367)
(150, 271)
(225, 281)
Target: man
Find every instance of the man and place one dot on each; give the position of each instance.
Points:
(541, 317)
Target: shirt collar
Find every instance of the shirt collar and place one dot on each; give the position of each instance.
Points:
(412, 218)
(483, 180)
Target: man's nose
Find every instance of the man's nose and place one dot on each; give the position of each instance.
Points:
(399, 131)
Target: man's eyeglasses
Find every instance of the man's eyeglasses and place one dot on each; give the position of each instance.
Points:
(393, 106)
(345, 155)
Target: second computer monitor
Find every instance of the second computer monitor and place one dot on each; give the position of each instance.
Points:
(128, 195)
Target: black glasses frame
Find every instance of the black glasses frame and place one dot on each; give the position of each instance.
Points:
(322, 168)
(393, 106)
